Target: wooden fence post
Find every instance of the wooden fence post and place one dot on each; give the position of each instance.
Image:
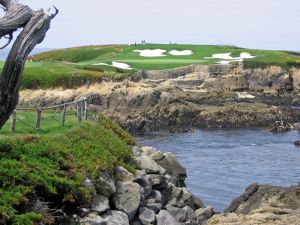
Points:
(79, 111)
(14, 121)
(38, 118)
(85, 110)
(64, 115)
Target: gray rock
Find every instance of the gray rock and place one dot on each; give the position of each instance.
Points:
(178, 213)
(173, 168)
(190, 214)
(157, 156)
(147, 216)
(148, 150)
(159, 181)
(181, 197)
(156, 195)
(149, 165)
(198, 203)
(100, 204)
(204, 214)
(151, 204)
(165, 218)
(109, 218)
(122, 174)
(127, 198)
(105, 185)
(145, 182)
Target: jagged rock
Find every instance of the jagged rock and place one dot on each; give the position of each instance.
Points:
(105, 185)
(127, 198)
(156, 195)
(151, 204)
(181, 197)
(100, 204)
(178, 213)
(198, 203)
(109, 218)
(122, 174)
(159, 181)
(145, 182)
(281, 126)
(204, 214)
(165, 218)
(147, 216)
(149, 165)
(173, 168)
(181, 214)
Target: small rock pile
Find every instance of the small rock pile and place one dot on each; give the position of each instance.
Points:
(154, 194)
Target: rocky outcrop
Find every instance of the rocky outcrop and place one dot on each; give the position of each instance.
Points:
(154, 194)
(262, 204)
(186, 98)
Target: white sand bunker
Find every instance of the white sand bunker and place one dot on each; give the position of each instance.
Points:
(115, 64)
(183, 52)
(226, 58)
(151, 52)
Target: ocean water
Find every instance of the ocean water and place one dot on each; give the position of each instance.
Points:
(221, 163)
(4, 52)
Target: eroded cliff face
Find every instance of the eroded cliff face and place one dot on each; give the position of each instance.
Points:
(187, 98)
(263, 204)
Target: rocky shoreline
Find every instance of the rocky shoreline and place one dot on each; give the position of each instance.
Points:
(188, 98)
(156, 194)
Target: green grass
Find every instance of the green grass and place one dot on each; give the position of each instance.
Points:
(127, 55)
(72, 67)
(49, 126)
(53, 168)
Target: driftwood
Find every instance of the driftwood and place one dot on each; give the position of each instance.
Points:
(35, 25)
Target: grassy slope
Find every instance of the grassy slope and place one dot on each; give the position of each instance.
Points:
(74, 66)
(127, 55)
(48, 126)
(53, 168)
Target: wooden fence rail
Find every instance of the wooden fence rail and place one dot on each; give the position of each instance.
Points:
(81, 113)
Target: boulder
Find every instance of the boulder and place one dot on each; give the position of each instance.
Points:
(181, 214)
(198, 203)
(109, 218)
(127, 198)
(148, 150)
(181, 197)
(204, 214)
(100, 204)
(165, 218)
(122, 174)
(146, 183)
(159, 181)
(156, 195)
(174, 169)
(136, 151)
(149, 165)
(147, 216)
(151, 204)
(105, 185)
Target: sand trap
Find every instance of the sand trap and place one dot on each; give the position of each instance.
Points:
(183, 52)
(115, 64)
(242, 95)
(226, 58)
(152, 52)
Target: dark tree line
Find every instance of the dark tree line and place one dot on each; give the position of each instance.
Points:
(34, 25)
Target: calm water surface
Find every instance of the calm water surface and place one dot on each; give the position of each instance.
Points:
(222, 163)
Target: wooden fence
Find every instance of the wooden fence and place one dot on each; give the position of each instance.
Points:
(80, 106)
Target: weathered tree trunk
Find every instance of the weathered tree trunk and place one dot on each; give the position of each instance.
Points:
(35, 25)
